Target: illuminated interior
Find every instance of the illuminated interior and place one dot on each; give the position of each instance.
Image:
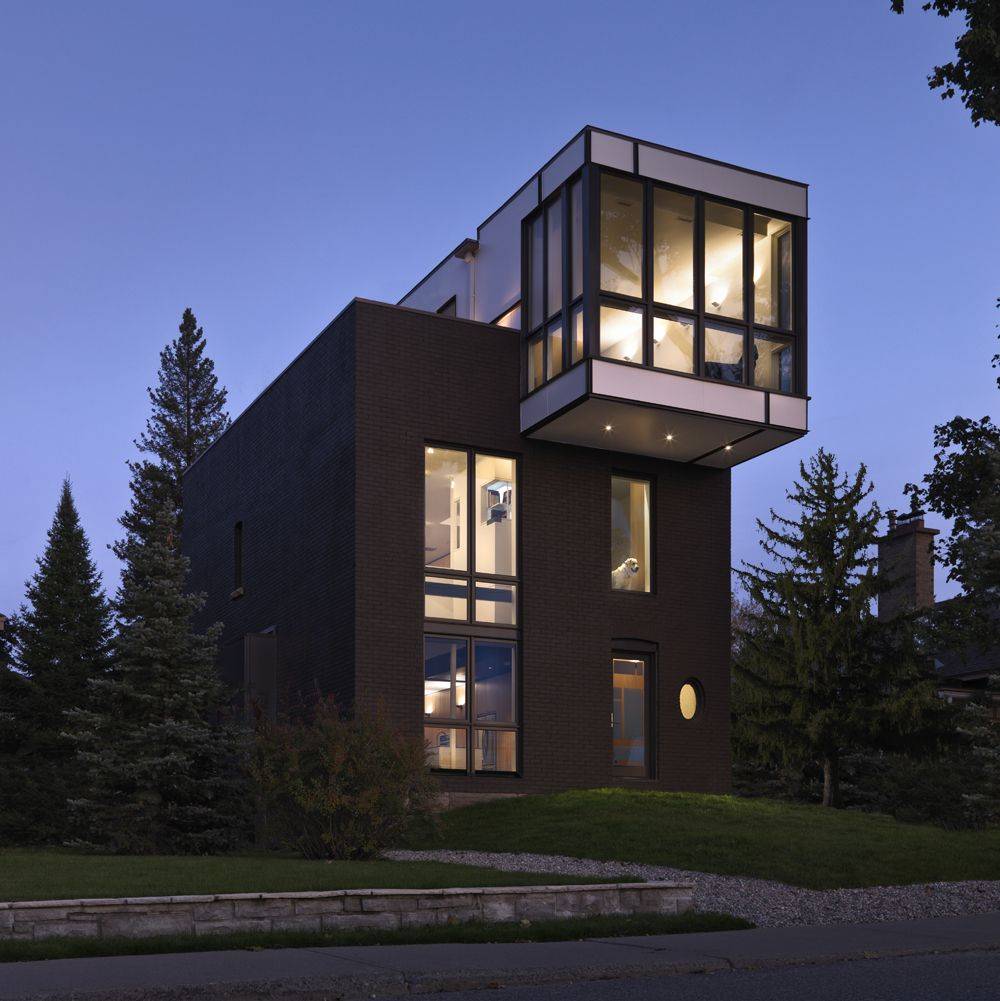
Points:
(723, 260)
(630, 569)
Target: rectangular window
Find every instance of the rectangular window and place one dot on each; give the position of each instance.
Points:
(446, 598)
(621, 333)
(494, 682)
(238, 556)
(445, 488)
(629, 715)
(673, 343)
(536, 265)
(446, 748)
(576, 238)
(496, 751)
(724, 260)
(496, 603)
(577, 344)
(536, 362)
(554, 260)
(445, 677)
(772, 367)
(772, 271)
(554, 358)
(724, 353)
(630, 549)
(621, 235)
(496, 517)
(673, 248)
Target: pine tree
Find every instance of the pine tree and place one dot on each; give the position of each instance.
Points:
(188, 414)
(164, 765)
(62, 643)
(818, 675)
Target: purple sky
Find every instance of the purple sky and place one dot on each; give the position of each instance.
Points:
(264, 163)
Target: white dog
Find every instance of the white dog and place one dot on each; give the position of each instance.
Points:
(622, 574)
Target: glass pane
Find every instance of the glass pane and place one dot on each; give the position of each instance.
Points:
(496, 518)
(673, 343)
(554, 363)
(673, 248)
(496, 603)
(576, 237)
(446, 598)
(446, 747)
(445, 667)
(688, 700)
(494, 682)
(772, 361)
(536, 269)
(772, 271)
(723, 260)
(621, 235)
(536, 368)
(621, 333)
(554, 250)
(496, 751)
(512, 318)
(577, 345)
(724, 353)
(445, 487)
(628, 714)
(630, 570)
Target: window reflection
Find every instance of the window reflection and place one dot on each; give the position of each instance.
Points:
(496, 751)
(554, 249)
(673, 343)
(621, 332)
(772, 367)
(445, 667)
(576, 238)
(621, 235)
(630, 569)
(724, 353)
(723, 260)
(554, 361)
(537, 273)
(577, 344)
(446, 747)
(494, 682)
(536, 362)
(496, 517)
(628, 714)
(445, 487)
(772, 271)
(673, 248)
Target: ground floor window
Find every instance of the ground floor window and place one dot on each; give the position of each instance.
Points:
(630, 690)
(470, 704)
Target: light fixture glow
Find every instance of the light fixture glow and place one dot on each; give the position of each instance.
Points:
(669, 437)
(729, 448)
(608, 428)
(430, 451)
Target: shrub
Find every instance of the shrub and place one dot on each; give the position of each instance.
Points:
(334, 786)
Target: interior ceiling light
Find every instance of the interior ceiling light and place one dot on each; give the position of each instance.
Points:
(669, 437)
(608, 427)
(729, 448)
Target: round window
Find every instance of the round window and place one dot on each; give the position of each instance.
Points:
(690, 699)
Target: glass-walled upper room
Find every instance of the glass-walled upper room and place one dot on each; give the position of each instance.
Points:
(679, 281)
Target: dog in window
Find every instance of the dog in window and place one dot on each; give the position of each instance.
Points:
(624, 572)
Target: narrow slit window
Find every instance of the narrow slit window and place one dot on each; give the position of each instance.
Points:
(238, 556)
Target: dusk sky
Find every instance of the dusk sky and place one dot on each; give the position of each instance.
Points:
(265, 163)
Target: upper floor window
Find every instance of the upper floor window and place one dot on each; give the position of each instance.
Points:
(630, 549)
(621, 235)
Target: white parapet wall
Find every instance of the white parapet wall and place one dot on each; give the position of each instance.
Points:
(330, 910)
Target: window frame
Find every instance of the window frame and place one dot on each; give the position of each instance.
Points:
(650, 481)
(647, 771)
(652, 307)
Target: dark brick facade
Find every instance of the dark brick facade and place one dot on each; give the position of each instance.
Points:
(326, 472)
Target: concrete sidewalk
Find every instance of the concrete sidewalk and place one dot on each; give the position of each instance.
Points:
(383, 971)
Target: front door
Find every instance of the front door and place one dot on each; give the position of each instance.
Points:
(630, 715)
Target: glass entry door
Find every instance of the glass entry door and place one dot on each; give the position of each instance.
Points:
(630, 715)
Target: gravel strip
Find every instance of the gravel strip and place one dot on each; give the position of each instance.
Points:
(767, 904)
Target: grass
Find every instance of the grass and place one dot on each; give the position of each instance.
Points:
(804, 845)
(52, 875)
(567, 929)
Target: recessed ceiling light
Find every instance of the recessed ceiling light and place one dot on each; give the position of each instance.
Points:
(729, 448)
(669, 437)
(430, 451)
(608, 427)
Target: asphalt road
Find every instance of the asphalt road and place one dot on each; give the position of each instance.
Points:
(971, 976)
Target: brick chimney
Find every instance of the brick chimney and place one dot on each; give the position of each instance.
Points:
(906, 556)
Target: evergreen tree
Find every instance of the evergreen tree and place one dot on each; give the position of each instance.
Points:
(818, 675)
(62, 637)
(164, 765)
(188, 414)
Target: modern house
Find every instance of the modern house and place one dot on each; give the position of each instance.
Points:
(500, 509)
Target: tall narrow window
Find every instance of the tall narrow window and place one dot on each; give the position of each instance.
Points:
(630, 549)
(576, 238)
(673, 248)
(772, 271)
(445, 488)
(724, 260)
(536, 264)
(496, 516)
(238, 557)
(554, 259)
(621, 235)
(630, 715)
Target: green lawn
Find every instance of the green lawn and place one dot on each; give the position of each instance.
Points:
(48, 875)
(804, 845)
(567, 929)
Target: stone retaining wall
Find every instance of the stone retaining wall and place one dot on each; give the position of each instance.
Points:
(329, 910)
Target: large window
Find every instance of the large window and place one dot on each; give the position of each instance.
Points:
(470, 700)
(630, 715)
(630, 549)
(696, 285)
(471, 604)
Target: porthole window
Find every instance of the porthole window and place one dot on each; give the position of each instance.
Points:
(690, 699)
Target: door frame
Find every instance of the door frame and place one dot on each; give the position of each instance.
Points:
(645, 770)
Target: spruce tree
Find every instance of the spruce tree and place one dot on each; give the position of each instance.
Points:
(62, 643)
(818, 675)
(188, 414)
(163, 763)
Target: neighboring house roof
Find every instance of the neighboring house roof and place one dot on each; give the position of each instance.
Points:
(970, 663)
